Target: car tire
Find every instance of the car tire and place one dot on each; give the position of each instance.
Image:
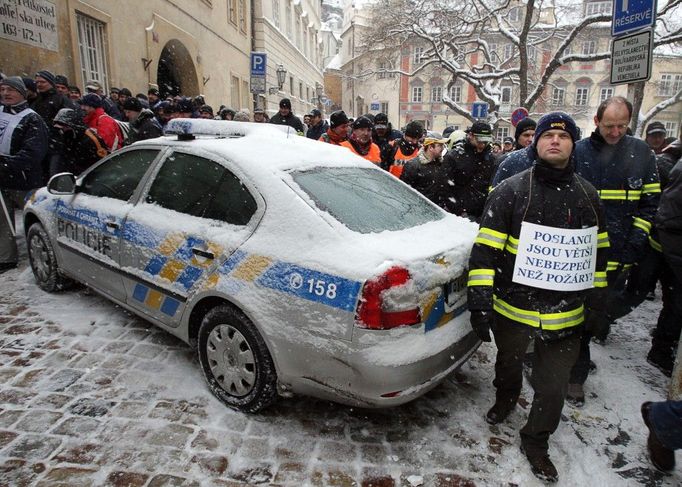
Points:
(235, 360)
(43, 260)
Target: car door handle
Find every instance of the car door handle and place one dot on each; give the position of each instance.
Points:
(112, 225)
(203, 253)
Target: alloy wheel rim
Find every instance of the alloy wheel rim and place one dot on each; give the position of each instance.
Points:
(40, 258)
(231, 360)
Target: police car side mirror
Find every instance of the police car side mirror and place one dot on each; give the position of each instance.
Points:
(62, 183)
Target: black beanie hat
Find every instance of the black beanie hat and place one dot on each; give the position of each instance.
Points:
(60, 79)
(337, 118)
(523, 125)
(132, 104)
(414, 129)
(556, 121)
(362, 123)
(47, 76)
(285, 103)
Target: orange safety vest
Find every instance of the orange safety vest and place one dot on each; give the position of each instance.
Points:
(374, 154)
(399, 161)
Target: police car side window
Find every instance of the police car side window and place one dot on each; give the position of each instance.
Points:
(196, 186)
(119, 176)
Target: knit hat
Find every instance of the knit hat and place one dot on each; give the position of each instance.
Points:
(414, 129)
(206, 109)
(184, 105)
(315, 113)
(91, 100)
(15, 82)
(132, 104)
(337, 118)
(29, 84)
(556, 121)
(656, 128)
(93, 85)
(381, 121)
(60, 79)
(523, 125)
(362, 123)
(47, 76)
(125, 92)
(113, 89)
(285, 103)
(482, 131)
(507, 140)
(68, 117)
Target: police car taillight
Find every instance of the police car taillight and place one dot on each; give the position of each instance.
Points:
(375, 313)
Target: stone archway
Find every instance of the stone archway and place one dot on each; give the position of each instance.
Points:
(176, 74)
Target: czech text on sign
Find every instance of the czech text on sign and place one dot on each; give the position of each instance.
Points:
(558, 259)
(631, 58)
(631, 15)
(31, 22)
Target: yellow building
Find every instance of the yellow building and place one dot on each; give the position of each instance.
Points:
(190, 47)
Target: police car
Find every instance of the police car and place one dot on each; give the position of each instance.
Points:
(293, 266)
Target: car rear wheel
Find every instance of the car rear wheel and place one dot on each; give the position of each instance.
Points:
(43, 261)
(235, 360)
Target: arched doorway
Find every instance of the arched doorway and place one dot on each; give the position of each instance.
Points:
(176, 74)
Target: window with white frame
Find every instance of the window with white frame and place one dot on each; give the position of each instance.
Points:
(234, 92)
(605, 93)
(515, 14)
(92, 50)
(300, 90)
(275, 13)
(506, 96)
(384, 107)
(232, 11)
(242, 15)
(582, 96)
(508, 50)
(671, 129)
(592, 8)
(298, 32)
(436, 94)
(558, 96)
(569, 50)
(531, 53)
(501, 133)
(456, 93)
(670, 84)
(492, 51)
(288, 20)
(416, 94)
(589, 47)
(417, 58)
(382, 66)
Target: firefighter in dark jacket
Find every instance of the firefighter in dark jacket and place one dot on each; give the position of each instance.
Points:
(23, 146)
(539, 257)
(469, 165)
(397, 152)
(425, 172)
(623, 170)
(79, 146)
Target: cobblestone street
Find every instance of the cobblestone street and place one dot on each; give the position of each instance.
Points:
(94, 396)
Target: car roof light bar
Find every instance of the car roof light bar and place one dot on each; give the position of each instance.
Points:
(189, 128)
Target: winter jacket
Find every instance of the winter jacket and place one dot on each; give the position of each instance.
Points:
(80, 148)
(391, 135)
(397, 150)
(106, 127)
(22, 168)
(667, 160)
(626, 178)
(291, 120)
(546, 196)
(427, 177)
(512, 163)
(330, 137)
(669, 220)
(316, 132)
(469, 173)
(371, 153)
(144, 127)
(49, 102)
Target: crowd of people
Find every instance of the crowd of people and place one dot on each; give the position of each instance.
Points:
(605, 189)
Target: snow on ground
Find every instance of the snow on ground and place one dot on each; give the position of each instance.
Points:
(140, 404)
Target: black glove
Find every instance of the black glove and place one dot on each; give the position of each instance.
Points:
(480, 323)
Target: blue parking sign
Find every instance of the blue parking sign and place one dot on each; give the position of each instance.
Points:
(632, 15)
(258, 63)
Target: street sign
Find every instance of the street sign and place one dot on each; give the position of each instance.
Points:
(479, 109)
(374, 106)
(518, 115)
(632, 15)
(631, 58)
(259, 62)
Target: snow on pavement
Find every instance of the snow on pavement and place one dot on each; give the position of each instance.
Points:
(92, 395)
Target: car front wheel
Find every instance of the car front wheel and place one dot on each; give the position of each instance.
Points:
(235, 360)
(43, 260)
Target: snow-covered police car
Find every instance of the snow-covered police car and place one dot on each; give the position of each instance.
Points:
(292, 265)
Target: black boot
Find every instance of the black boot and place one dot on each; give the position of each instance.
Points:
(500, 410)
(541, 466)
(663, 458)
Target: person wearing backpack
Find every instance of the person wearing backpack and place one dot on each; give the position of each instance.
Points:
(105, 126)
(79, 146)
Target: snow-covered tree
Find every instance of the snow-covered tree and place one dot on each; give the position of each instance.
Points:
(490, 43)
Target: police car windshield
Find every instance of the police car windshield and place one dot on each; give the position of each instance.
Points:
(366, 200)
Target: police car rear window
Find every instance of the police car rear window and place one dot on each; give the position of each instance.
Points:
(366, 200)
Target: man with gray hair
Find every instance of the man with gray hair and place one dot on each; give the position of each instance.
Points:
(23, 146)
